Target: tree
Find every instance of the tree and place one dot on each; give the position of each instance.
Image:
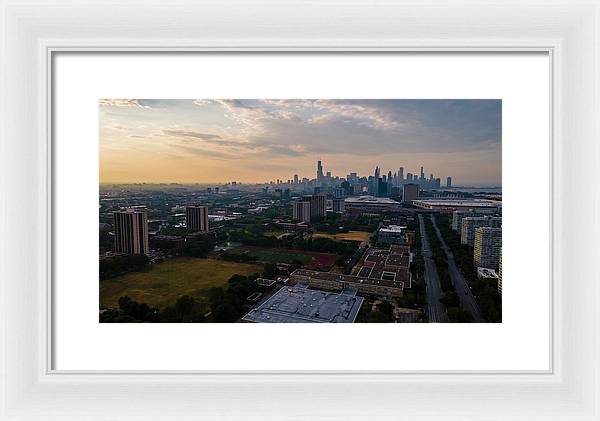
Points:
(224, 313)
(270, 271)
(184, 306)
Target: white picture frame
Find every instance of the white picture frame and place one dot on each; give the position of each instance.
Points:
(33, 31)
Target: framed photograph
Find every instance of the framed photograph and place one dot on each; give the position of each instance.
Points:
(287, 210)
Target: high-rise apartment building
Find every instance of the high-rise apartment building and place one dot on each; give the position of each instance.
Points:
(196, 218)
(470, 224)
(301, 211)
(460, 214)
(410, 192)
(500, 275)
(131, 230)
(488, 247)
(318, 206)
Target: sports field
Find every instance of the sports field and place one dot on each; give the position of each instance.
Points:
(345, 236)
(270, 255)
(166, 281)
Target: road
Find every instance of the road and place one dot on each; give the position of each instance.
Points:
(467, 300)
(436, 311)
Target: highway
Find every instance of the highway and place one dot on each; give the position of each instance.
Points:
(467, 300)
(436, 311)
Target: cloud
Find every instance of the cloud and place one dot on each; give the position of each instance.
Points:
(197, 135)
(122, 103)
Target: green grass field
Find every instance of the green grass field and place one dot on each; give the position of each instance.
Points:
(272, 256)
(166, 281)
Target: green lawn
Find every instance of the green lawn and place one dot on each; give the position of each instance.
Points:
(275, 256)
(165, 282)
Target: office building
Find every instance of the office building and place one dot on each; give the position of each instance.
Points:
(196, 218)
(301, 211)
(488, 245)
(131, 230)
(470, 224)
(449, 182)
(410, 192)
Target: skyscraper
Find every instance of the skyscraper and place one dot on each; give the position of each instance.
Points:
(319, 171)
(401, 174)
(449, 182)
(196, 218)
(131, 230)
(295, 179)
(422, 174)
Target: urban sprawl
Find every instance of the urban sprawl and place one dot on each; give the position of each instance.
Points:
(327, 249)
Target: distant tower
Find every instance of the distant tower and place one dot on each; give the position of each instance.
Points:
(422, 173)
(377, 172)
(296, 179)
(319, 170)
(131, 230)
(196, 218)
(401, 173)
(449, 182)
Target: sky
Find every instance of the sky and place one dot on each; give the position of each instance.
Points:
(259, 140)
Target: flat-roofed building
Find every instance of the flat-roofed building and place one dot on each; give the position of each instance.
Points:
(196, 218)
(488, 247)
(452, 204)
(338, 282)
(470, 224)
(131, 230)
(391, 234)
(369, 204)
(301, 304)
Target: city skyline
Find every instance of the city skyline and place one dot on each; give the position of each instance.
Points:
(256, 141)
